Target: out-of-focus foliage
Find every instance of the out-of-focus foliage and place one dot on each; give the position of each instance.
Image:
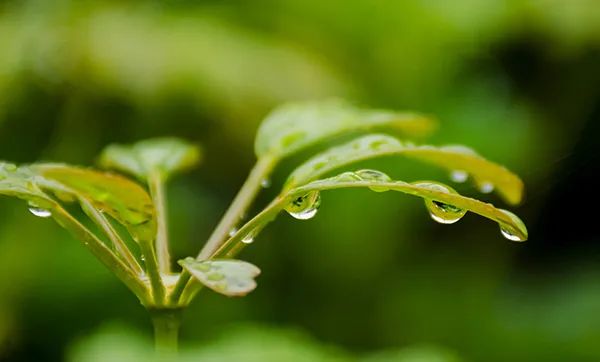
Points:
(243, 343)
(516, 80)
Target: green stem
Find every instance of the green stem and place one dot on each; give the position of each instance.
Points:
(158, 288)
(166, 324)
(102, 252)
(239, 206)
(112, 234)
(156, 185)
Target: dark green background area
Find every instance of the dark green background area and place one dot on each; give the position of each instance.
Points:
(372, 277)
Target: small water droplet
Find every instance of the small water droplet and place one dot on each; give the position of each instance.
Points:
(143, 257)
(486, 187)
(232, 232)
(305, 207)
(459, 176)
(265, 183)
(509, 235)
(39, 212)
(248, 239)
(348, 177)
(374, 175)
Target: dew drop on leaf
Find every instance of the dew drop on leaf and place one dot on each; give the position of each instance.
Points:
(459, 176)
(248, 239)
(509, 235)
(305, 207)
(232, 232)
(444, 213)
(374, 175)
(440, 211)
(265, 183)
(39, 212)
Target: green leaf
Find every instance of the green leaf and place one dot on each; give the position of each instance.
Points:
(429, 190)
(302, 203)
(295, 126)
(454, 158)
(225, 276)
(165, 156)
(124, 200)
(20, 182)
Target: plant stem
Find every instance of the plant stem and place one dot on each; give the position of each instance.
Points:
(239, 206)
(166, 324)
(158, 288)
(112, 234)
(102, 252)
(156, 185)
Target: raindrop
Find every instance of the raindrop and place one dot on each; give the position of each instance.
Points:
(265, 183)
(486, 187)
(348, 177)
(232, 232)
(305, 207)
(39, 212)
(374, 175)
(459, 176)
(248, 239)
(444, 213)
(507, 233)
(440, 211)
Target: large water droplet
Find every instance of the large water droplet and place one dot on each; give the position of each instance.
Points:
(374, 175)
(305, 207)
(39, 212)
(232, 232)
(459, 176)
(444, 213)
(440, 211)
(265, 183)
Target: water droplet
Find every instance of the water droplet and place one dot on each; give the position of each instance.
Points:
(265, 183)
(440, 211)
(143, 257)
(444, 213)
(516, 231)
(459, 176)
(248, 239)
(374, 175)
(232, 232)
(39, 212)
(507, 233)
(305, 207)
(486, 187)
(348, 177)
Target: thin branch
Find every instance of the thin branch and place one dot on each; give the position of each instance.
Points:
(156, 185)
(101, 220)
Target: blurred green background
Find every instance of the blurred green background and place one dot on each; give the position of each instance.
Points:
(371, 278)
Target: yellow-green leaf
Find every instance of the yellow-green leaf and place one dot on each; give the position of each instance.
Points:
(124, 200)
(230, 277)
(457, 159)
(20, 182)
(295, 126)
(428, 190)
(166, 156)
